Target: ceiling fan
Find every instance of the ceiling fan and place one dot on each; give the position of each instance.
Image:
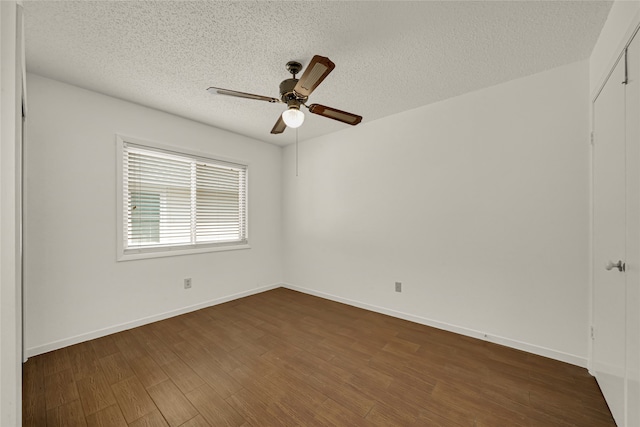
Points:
(295, 93)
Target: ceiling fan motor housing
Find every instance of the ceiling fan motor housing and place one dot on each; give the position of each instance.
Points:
(288, 95)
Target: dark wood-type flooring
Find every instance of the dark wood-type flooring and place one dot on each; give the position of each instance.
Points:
(283, 358)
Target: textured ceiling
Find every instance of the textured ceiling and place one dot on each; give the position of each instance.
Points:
(390, 56)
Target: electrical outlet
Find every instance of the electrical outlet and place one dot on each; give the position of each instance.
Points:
(187, 283)
(398, 286)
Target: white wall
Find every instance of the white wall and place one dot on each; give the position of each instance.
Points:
(75, 289)
(477, 204)
(623, 18)
(10, 148)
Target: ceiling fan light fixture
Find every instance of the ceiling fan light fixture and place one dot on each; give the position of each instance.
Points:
(293, 117)
(295, 92)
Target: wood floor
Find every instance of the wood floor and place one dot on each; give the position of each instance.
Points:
(282, 358)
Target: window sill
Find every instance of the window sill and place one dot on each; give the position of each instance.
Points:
(134, 254)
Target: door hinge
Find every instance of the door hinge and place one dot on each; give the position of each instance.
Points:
(592, 138)
(593, 333)
(626, 67)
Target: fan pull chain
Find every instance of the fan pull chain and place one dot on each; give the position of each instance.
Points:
(296, 151)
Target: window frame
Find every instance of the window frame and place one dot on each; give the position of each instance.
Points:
(126, 254)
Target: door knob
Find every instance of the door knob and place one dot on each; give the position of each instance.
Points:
(619, 265)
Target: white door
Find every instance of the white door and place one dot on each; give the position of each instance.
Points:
(633, 231)
(609, 231)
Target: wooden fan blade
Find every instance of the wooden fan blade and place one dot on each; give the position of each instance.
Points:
(220, 91)
(332, 113)
(280, 126)
(313, 75)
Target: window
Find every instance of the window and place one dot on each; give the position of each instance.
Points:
(174, 202)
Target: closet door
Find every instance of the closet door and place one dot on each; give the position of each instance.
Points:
(609, 231)
(633, 224)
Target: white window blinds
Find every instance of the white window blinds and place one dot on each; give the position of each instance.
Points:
(178, 200)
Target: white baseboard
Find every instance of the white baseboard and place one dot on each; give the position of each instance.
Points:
(34, 351)
(519, 345)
